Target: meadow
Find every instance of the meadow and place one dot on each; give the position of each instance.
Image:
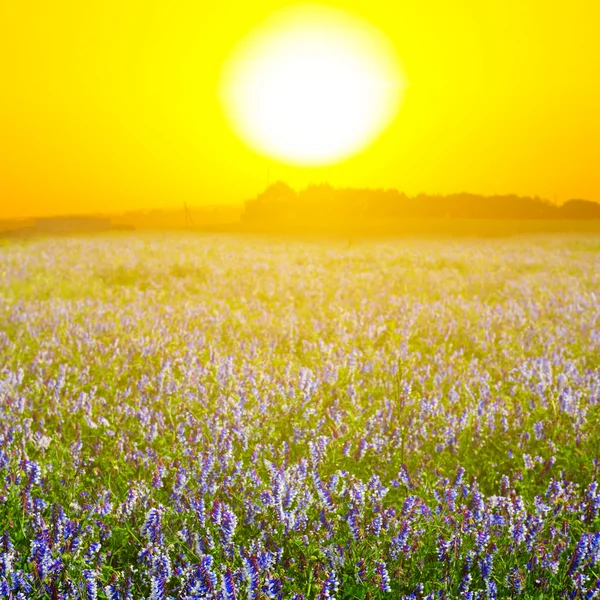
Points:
(234, 417)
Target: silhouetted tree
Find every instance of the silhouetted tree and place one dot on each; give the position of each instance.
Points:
(580, 209)
(274, 204)
(325, 205)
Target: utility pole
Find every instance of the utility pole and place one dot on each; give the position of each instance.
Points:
(188, 215)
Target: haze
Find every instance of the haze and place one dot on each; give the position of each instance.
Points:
(112, 105)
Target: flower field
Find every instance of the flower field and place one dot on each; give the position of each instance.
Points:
(237, 418)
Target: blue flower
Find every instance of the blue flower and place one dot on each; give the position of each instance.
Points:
(228, 585)
(91, 586)
(383, 579)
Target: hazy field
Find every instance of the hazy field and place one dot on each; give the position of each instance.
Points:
(235, 417)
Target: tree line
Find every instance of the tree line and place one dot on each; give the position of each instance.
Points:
(280, 204)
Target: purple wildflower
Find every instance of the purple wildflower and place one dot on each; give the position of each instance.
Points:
(228, 585)
(91, 586)
(382, 577)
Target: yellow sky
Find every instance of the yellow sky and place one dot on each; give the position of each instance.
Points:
(111, 104)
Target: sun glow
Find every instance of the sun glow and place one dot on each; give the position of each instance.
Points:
(312, 85)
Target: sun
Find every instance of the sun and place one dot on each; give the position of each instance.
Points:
(312, 85)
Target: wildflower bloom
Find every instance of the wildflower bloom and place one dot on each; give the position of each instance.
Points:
(228, 586)
(382, 577)
(243, 421)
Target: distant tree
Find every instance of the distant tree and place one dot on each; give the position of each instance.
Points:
(324, 205)
(273, 204)
(580, 209)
